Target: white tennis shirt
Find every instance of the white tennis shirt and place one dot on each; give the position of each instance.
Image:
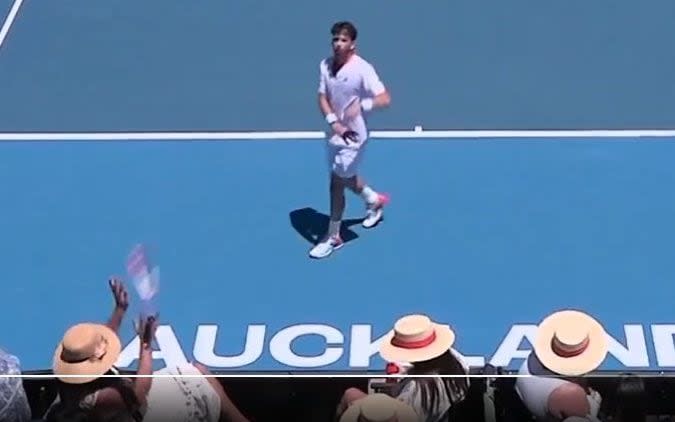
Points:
(356, 80)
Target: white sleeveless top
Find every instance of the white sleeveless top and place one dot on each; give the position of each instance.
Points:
(535, 391)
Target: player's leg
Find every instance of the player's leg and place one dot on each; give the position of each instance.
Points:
(337, 209)
(332, 240)
(337, 204)
(374, 200)
(338, 164)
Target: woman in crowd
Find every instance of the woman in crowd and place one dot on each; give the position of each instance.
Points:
(569, 344)
(14, 405)
(88, 351)
(427, 348)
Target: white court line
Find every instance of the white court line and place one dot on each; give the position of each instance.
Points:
(9, 20)
(417, 133)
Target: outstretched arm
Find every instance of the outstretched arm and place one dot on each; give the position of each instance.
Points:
(121, 304)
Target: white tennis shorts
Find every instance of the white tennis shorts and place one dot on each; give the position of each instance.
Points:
(344, 160)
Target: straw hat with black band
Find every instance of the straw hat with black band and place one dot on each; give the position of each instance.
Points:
(86, 352)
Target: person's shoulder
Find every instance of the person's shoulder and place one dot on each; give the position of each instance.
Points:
(364, 63)
(325, 63)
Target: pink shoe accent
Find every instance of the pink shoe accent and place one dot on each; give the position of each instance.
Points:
(383, 199)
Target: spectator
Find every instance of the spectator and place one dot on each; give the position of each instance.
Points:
(569, 344)
(377, 408)
(14, 405)
(185, 395)
(89, 351)
(427, 348)
(631, 400)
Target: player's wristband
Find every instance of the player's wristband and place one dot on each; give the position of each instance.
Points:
(331, 118)
(367, 104)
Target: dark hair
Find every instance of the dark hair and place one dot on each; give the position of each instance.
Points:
(445, 364)
(631, 397)
(70, 395)
(345, 26)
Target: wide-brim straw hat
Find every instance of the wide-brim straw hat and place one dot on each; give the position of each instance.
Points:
(379, 408)
(416, 338)
(86, 351)
(571, 343)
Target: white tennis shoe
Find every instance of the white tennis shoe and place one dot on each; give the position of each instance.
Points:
(375, 212)
(326, 247)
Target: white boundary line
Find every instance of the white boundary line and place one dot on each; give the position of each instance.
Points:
(9, 20)
(417, 133)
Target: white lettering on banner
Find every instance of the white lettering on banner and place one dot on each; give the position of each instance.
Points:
(281, 346)
(253, 347)
(664, 345)
(634, 355)
(363, 346)
(509, 348)
(169, 347)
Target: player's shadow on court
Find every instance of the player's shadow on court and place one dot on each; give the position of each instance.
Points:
(313, 225)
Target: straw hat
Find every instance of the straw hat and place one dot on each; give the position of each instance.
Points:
(588, 418)
(379, 408)
(571, 343)
(416, 338)
(86, 349)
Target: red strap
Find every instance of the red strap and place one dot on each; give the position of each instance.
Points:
(414, 344)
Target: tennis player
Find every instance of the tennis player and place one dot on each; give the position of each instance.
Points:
(349, 88)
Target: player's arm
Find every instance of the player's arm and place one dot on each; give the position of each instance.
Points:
(325, 107)
(329, 115)
(379, 94)
(382, 100)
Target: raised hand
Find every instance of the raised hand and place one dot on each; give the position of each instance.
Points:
(119, 293)
(146, 329)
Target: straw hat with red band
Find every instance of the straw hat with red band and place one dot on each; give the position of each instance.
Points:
(416, 338)
(86, 350)
(571, 343)
(379, 408)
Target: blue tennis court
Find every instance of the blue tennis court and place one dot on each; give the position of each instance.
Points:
(489, 235)
(481, 234)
